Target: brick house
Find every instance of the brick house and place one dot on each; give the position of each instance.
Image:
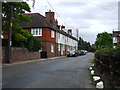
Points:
(56, 40)
(116, 38)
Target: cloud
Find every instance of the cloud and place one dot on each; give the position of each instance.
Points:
(90, 17)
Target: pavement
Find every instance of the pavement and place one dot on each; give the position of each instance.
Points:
(30, 61)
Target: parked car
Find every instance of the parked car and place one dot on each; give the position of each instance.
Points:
(72, 53)
(85, 51)
(82, 52)
(77, 52)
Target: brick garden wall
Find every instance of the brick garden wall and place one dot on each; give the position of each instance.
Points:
(20, 54)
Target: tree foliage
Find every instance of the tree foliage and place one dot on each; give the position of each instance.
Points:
(104, 40)
(83, 45)
(19, 8)
(92, 49)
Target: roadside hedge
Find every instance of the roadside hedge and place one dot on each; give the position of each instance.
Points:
(107, 62)
(109, 56)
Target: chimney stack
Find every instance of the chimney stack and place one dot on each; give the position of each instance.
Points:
(69, 31)
(50, 17)
(58, 27)
(56, 22)
(62, 27)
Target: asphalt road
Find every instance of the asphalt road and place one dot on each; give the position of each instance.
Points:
(68, 72)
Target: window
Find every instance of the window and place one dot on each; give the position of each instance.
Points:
(36, 31)
(114, 39)
(52, 34)
(40, 31)
(52, 48)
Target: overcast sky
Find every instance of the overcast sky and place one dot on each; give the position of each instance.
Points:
(89, 16)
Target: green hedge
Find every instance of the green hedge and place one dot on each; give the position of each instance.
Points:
(33, 44)
(107, 55)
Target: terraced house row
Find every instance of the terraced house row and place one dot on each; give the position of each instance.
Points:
(56, 40)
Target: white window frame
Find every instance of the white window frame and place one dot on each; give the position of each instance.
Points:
(52, 34)
(38, 30)
(52, 48)
(115, 40)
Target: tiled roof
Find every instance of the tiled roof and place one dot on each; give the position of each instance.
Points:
(37, 20)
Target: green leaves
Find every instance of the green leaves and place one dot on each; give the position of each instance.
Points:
(105, 55)
(104, 40)
(19, 8)
(19, 37)
(33, 44)
(83, 45)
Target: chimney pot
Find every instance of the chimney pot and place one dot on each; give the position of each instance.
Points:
(49, 10)
(69, 31)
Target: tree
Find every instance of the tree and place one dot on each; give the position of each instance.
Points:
(83, 45)
(92, 49)
(19, 8)
(104, 40)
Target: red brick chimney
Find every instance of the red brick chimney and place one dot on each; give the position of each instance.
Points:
(50, 17)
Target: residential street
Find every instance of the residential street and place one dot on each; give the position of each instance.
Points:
(68, 72)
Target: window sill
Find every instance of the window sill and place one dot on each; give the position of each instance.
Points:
(37, 35)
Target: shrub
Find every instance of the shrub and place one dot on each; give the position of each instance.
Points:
(109, 56)
(33, 44)
(116, 58)
(104, 55)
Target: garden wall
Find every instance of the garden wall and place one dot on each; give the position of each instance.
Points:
(20, 54)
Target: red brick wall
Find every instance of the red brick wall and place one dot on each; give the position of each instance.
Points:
(46, 46)
(46, 35)
(47, 40)
(21, 54)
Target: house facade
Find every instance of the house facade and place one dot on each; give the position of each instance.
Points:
(56, 40)
(116, 38)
